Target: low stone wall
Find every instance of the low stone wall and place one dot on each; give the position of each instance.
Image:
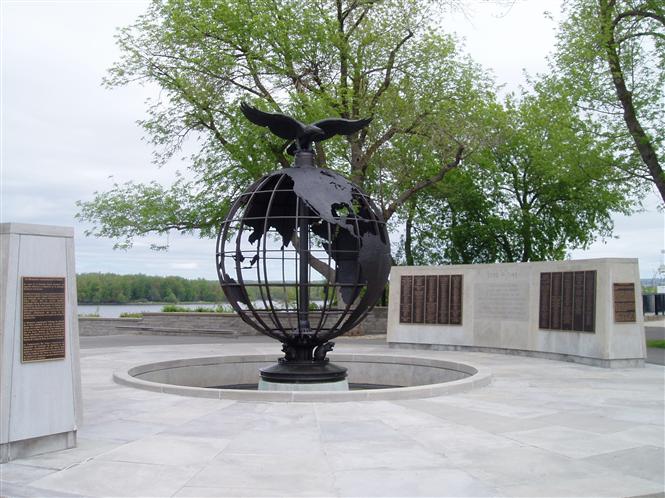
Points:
(587, 311)
(223, 324)
(376, 322)
(103, 326)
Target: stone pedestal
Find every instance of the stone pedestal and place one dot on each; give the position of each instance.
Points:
(342, 385)
(40, 379)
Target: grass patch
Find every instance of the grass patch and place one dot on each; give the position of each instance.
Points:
(128, 314)
(174, 308)
(656, 343)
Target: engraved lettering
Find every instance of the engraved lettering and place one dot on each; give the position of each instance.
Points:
(624, 302)
(545, 300)
(444, 299)
(419, 299)
(456, 299)
(431, 303)
(43, 319)
(405, 299)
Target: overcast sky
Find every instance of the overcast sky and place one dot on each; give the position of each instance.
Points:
(63, 136)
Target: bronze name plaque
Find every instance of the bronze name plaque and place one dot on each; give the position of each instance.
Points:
(544, 315)
(444, 299)
(431, 304)
(624, 303)
(419, 299)
(431, 299)
(567, 301)
(43, 319)
(456, 300)
(405, 299)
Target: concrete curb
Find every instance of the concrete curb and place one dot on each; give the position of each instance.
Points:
(477, 377)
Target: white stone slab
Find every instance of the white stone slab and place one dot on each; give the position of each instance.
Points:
(105, 478)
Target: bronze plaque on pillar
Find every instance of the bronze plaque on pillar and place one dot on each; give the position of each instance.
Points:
(43, 319)
(405, 298)
(419, 299)
(624, 303)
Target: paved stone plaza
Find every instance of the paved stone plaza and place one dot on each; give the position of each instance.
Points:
(542, 428)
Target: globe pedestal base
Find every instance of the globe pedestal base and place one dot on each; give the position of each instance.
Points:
(341, 385)
(303, 376)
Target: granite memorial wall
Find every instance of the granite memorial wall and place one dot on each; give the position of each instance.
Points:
(585, 311)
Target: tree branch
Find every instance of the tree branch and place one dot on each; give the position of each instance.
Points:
(388, 212)
(638, 13)
(389, 68)
(641, 33)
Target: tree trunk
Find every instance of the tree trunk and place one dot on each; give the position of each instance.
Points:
(642, 142)
(408, 237)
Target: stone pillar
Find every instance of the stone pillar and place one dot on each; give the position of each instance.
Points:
(40, 376)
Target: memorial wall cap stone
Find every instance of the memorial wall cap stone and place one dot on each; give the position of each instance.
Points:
(35, 229)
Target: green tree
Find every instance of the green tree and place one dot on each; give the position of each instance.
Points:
(170, 297)
(347, 58)
(96, 288)
(611, 56)
(548, 184)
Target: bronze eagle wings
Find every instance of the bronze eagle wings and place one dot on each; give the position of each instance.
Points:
(301, 134)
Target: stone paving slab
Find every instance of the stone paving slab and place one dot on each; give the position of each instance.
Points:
(542, 428)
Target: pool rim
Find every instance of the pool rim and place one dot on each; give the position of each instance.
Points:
(478, 377)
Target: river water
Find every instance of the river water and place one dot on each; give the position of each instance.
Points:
(114, 310)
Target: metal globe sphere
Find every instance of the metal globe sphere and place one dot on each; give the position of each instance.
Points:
(302, 257)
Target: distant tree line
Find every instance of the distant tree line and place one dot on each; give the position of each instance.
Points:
(110, 288)
(96, 288)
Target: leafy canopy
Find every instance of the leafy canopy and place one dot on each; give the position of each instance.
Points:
(352, 59)
(610, 57)
(548, 184)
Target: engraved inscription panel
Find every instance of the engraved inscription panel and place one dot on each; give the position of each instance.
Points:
(444, 299)
(405, 299)
(431, 304)
(419, 299)
(544, 319)
(578, 300)
(555, 296)
(589, 301)
(501, 295)
(43, 319)
(431, 299)
(624, 302)
(568, 301)
(456, 299)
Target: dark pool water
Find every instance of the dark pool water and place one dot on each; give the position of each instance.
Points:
(352, 386)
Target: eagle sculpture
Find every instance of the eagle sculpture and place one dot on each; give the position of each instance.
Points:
(302, 135)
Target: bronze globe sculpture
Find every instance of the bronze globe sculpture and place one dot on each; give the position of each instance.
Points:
(303, 255)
